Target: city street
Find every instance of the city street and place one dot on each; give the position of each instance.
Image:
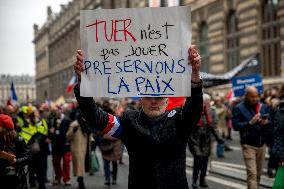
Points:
(226, 173)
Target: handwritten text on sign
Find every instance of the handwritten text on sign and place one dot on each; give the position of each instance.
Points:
(136, 52)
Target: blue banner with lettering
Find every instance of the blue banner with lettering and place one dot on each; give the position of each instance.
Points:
(240, 84)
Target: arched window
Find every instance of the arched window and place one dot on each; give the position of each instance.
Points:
(203, 46)
(270, 51)
(232, 40)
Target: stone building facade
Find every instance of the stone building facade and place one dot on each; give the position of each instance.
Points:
(229, 31)
(24, 86)
(226, 31)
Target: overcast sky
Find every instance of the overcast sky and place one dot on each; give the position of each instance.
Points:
(16, 34)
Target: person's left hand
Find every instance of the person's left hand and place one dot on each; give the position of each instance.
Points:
(194, 59)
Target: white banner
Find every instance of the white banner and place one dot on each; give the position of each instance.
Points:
(136, 52)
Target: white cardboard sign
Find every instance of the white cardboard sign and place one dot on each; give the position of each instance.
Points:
(136, 52)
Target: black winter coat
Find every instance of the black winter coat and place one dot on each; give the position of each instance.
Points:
(156, 146)
(278, 122)
(59, 141)
(200, 137)
(20, 150)
(254, 135)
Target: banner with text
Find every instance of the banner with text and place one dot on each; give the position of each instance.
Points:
(240, 84)
(136, 52)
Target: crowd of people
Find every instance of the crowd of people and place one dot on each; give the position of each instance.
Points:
(29, 134)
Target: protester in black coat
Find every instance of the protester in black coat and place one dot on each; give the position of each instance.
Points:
(200, 143)
(278, 122)
(155, 139)
(61, 149)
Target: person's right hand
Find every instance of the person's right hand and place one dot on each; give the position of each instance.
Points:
(8, 156)
(255, 119)
(78, 66)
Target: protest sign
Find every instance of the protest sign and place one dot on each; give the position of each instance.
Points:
(136, 52)
(240, 84)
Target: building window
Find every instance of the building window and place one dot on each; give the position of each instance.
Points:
(232, 40)
(270, 51)
(203, 46)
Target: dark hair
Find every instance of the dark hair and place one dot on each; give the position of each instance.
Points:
(7, 136)
(281, 92)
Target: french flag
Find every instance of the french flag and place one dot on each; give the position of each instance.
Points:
(71, 84)
(13, 96)
(113, 127)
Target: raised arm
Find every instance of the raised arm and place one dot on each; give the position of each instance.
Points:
(99, 119)
(192, 109)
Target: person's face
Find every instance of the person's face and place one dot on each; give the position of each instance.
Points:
(58, 114)
(10, 110)
(154, 106)
(45, 113)
(218, 102)
(32, 118)
(273, 93)
(36, 114)
(252, 98)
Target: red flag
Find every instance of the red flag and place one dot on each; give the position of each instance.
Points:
(174, 102)
(229, 94)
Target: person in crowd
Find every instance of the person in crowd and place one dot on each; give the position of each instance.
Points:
(74, 110)
(229, 119)
(222, 112)
(200, 143)
(12, 112)
(251, 119)
(79, 136)
(43, 120)
(110, 147)
(277, 117)
(61, 148)
(26, 131)
(264, 96)
(22, 119)
(155, 139)
(111, 152)
(14, 155)
(38, 147)
(271, 101)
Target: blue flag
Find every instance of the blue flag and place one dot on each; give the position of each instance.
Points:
(13, 94)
